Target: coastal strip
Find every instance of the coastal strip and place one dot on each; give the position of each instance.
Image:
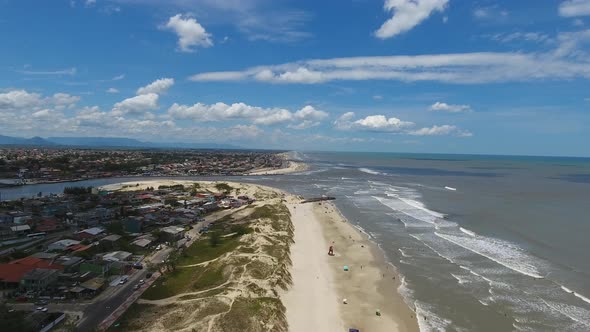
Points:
(290, 166)
(354, 288)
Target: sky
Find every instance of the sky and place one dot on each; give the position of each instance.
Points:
(437, 76)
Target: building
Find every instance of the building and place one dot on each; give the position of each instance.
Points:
(6, 218)
(62, 245)
(117, 256)
(20, 230)
(39, 279)
(89, 233)
(133, 225)
(111, 241)
(172, 233)
(143, 241)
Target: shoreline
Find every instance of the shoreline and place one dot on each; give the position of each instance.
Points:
(292, 167)
(367, 289)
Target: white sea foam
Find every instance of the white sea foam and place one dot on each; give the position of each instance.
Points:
(567, 290)
(370, 171)
(403, 253)
(582, 297)
(574, 313)
(468, 232)
(461, 280)
(501, 252)
(429, 321)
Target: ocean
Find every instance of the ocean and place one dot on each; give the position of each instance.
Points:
(483, 243)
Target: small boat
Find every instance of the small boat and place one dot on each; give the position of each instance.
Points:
(450, 188)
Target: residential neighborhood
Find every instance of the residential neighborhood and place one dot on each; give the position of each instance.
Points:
(31, 165)
(71, 249)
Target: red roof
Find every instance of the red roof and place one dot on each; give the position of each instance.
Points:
(36, 263)
(78, 247)
(13, 273)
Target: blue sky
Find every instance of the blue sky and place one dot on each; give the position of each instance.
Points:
(449, 76)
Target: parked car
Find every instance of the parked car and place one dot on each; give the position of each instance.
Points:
(148, 275)
(138, 266)
(141, 282)
(136, 286)
(159, 247)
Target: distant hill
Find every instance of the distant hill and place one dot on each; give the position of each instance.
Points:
(96, 142)
(8, 140)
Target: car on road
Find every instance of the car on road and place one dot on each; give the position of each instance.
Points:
(136, 286)
(148, 275)
(39, 308)
(138, 266)
(141, 282)
(159, 247)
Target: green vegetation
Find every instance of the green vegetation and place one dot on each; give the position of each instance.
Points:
(183, 280)
(173, 187)
(226, 188)
(255, 314)
(202, 251)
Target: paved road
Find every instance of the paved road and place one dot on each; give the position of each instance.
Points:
(96, 312)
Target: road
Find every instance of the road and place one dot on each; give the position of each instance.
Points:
(113, 297)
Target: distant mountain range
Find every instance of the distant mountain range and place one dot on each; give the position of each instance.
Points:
(97, 142)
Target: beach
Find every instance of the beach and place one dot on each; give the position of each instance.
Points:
(291, 167)
(320, 284)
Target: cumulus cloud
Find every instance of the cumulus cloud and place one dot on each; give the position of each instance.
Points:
(15, 100)
(573, 8)
(257, 115)
(158, 86)
(441, 130)
(561, 63)
(375, 123)
(444, 107)
(407, 14)
(383, 124)
(136, 105)
(190, 33)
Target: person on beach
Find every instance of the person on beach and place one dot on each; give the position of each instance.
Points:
(331, 251)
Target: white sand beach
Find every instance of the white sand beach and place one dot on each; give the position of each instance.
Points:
(320, 284)
(292, 167)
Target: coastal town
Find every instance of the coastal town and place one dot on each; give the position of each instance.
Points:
(63, 256)
(33, 165)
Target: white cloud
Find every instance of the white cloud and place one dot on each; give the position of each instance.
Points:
(90, 3)
(490, 13)
(18, 99)
(441, 130)
(310, 113)
(137, 104)
(444, 107)
(112, 90)
(407, 14)
(257, 115)
(190, 33)
(158, 86)
(461, 68)
(375, 123)
(118, 77)
(68, 71)
(522, 36)
(573, 8)
(578, 23)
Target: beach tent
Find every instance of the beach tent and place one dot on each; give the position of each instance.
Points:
(353, 330)
(345, 267)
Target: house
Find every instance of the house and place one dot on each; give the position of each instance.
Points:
(210, 207)
(143, 241)
(20, 217)
(111, 241)
(97, 267)
(70, 263)
(39, 279)
(48, 225)
(11, 274)
(93, 285)
(62, 245)
(133, 225)
(172, 233)
(20, 230)
(89, 233)
(117, 256)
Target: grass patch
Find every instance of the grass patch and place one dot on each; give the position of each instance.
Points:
(255, 314)
(224, 187)
(209, 278)
(202, 251)
(172, 283)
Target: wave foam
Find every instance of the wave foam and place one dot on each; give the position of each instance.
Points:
(370, 171)
(468, 232)
(501, 252)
